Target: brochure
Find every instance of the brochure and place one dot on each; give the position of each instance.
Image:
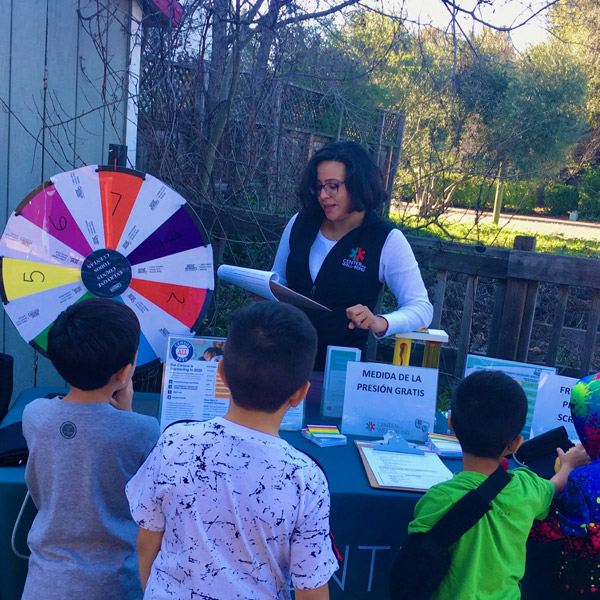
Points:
(444, 445)
(266, 285)
(334, 379)
(324, 435)
(192, 388)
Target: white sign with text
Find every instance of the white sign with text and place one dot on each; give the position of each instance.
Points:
(552, 405)
(381, 397)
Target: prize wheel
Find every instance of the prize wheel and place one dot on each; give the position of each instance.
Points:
(112, 233)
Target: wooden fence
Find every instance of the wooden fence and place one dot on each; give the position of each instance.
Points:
(517, 275)
(514, 275)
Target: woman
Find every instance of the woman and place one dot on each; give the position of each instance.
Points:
(338, 252)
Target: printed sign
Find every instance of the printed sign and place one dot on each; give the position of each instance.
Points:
(381, 398)
(527, 375)
(334, 382)
(193, 389)
(552, 405)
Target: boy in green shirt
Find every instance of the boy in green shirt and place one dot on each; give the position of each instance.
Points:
(488, 561)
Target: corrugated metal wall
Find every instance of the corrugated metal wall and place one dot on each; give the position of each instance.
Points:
(64, 76)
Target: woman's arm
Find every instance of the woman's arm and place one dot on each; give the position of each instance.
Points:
(399, 270)
(283, 251)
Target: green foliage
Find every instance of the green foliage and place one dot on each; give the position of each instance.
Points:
(369, 59)
(546, 106)
(475, 193)
(474, 111)
(560, 198)
(478, 193)
(492, 235)
(578, 24)
(444, 397)
(589, 195)
(520, 196)
(482, 81)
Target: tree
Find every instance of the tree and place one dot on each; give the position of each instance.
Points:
(474, 108)
(528, 111)
(222, 33)
(545, 107)
(577, 23)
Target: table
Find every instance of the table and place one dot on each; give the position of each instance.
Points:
(369, 525)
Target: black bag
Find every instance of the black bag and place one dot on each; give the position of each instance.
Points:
(539, 453)
(424, 559)
(13, 447)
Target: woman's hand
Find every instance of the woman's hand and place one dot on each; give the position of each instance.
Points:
(362, 318)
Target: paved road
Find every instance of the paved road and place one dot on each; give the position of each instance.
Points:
(529, 224)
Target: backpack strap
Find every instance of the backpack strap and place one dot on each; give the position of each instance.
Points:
(469, 509)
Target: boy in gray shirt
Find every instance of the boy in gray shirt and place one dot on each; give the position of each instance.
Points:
(83, 448)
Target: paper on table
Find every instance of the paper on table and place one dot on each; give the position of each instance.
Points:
(266, 285)
(409, 471)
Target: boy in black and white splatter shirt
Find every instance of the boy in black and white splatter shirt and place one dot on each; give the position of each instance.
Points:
(226, 508)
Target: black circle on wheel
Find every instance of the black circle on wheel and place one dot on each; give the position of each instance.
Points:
(106, 273)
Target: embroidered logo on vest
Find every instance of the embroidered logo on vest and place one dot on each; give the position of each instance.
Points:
(354, 260)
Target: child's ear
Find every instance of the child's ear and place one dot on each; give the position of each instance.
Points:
(123, 373)
(450, 422)
(299, 395)
(221, 371)
(515, 444)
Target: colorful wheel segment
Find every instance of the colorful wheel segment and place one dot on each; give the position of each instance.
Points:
(112, 233)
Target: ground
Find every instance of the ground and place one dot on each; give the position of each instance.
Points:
(528, 223)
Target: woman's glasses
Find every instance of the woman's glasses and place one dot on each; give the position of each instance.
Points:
(331, 189)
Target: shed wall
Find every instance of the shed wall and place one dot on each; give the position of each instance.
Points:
(64, 76)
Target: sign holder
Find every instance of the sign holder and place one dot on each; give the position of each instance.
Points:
(433, 338)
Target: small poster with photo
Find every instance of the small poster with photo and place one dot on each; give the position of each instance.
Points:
(527, 375)
(192, 388)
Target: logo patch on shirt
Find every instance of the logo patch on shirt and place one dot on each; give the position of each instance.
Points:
(68, 430)
(354, 260)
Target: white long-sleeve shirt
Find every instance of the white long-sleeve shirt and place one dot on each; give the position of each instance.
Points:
(398, 269)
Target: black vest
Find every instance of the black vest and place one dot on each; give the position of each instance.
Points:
(349, 275)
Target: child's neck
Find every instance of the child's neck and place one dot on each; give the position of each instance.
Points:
(253, 419)
(478, 464)
(101, 395)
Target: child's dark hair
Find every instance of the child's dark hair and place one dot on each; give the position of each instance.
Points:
(269, 354)
(488, 412)
(91, 340)
(364, 180)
